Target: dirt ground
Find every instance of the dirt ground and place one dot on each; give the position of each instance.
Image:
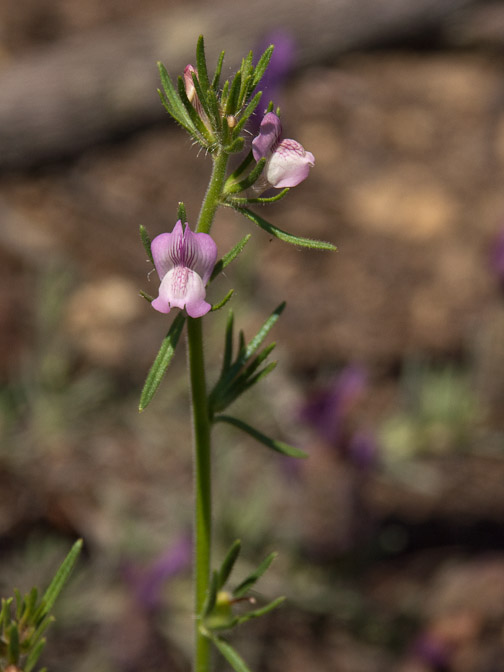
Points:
(391, 533)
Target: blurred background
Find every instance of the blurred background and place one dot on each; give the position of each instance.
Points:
(391, 351)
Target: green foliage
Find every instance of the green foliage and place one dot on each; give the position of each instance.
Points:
(240, 374)
(227, 651)
(234, 101)
(217, 614)
(21, 633)
(282, 235)
(162, 361)
(146, 242)
(278, 446)
(237, 187)
(240, 202)
(173, 104)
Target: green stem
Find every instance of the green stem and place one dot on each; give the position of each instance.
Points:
(203, 486)
(202, 426)
(213, 194)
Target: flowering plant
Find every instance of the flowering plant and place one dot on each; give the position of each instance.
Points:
(216, 115)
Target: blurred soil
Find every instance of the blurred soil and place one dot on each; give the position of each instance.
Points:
(396, 567)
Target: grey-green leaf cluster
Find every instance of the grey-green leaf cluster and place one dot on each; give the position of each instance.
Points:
(24, 620)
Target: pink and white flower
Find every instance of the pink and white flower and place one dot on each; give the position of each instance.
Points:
(184, 262)
(288, 163)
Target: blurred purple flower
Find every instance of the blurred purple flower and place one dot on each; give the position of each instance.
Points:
(328, 409)
(362, 450)
(431, 651)
(147, 583)
(184, 262)
(288, 163)
(280, 65)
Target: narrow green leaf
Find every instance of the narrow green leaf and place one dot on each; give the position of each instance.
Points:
(44, 624)
(227, 651)
(283, 235)
(203, 132)
(5, 616)
(181, 213)
(211, 597)
(247, 77)
(228, 563)
(240, 202)
(252, 578)
(238, 171)
(264, 330)
(214, 105)
(146, 241)
(34, 655)
(225, 93)
(217, 74)
(204, 98)
(232, 380)
(222, 302)
(146, 296)
(162, 361)
(177, 118)
(256, 613)
(248, 111)
(59, 580)
(247, 181)
(201, 65)
(257, 361)
(19, 603)
(236, 146)
(234, 93)
(13, 647)
(171, 101)
(228, 343)
(278, 446)
(225, 397)
(229, 257)
(30, 603)
(262, 65)
(259, 376)
(241, 346)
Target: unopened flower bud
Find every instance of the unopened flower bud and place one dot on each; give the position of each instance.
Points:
(222, 615)
(190, 90)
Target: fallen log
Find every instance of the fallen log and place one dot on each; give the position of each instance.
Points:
(80, 91)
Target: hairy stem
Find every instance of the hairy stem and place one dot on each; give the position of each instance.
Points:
(202, 442)
(213, 194)
(202, 484)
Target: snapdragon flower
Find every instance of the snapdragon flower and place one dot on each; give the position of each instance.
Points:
(184, 262)
(288, 163)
